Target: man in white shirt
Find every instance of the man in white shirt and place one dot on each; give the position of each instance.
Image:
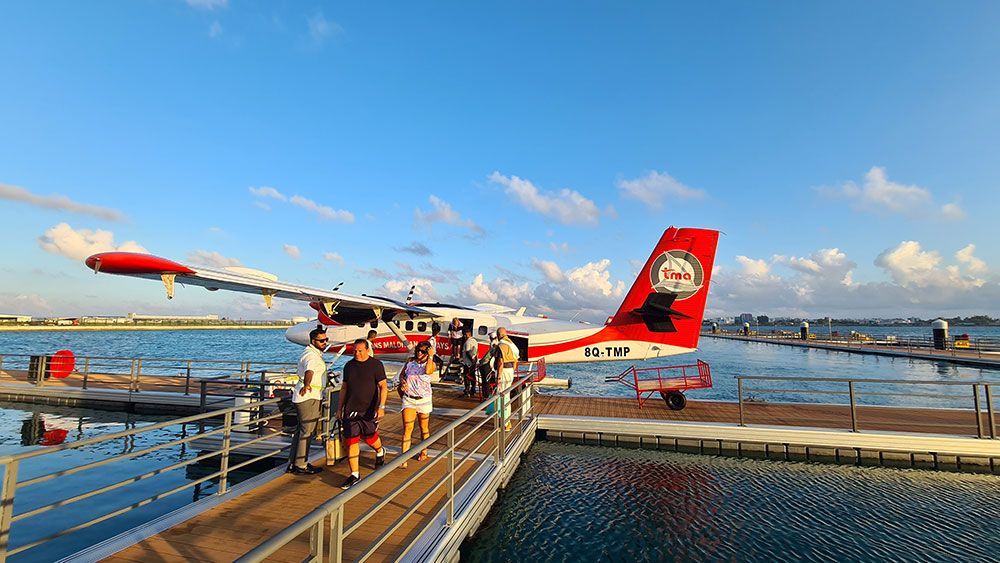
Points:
(307, 395)
(506, 361)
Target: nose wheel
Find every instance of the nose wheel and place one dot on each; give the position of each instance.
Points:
(675, 400)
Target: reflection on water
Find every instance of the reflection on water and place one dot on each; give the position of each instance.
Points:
(584, 503)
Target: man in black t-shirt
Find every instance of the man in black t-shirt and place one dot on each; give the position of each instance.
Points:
(362, 405)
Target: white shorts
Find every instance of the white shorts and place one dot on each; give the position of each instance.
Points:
(422, 406)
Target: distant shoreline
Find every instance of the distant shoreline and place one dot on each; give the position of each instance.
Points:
(139, 327)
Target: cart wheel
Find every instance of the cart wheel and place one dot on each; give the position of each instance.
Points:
(675, 399)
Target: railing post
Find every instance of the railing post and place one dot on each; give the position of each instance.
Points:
(187, 379)
(43, 366)
(497, 427)
(316, 540)
(979, 417)
(138, 373)
(739, 395)
(1, 361)
(451, 477)
(224, 463)
(337, 535)
(86, 371)
(854, 410)
(989, 410)
(7, 506)
(204, 395)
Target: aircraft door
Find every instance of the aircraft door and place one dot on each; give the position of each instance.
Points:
(522, 346)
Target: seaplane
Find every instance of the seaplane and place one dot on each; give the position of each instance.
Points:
(660, 315)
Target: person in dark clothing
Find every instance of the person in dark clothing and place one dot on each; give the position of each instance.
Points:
(362, 405)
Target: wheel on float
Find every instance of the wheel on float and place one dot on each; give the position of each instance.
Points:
(675, 399)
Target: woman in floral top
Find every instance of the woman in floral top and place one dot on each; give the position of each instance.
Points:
(415, 391)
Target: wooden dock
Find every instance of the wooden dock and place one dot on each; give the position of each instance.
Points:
(234, 527)
(977, 358)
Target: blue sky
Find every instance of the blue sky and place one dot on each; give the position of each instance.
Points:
(847, 151)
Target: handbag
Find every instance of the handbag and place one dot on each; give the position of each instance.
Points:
(335, 450)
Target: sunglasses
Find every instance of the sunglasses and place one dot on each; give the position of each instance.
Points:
(321, 339)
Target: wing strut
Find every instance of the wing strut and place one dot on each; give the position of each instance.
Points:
(395, 330)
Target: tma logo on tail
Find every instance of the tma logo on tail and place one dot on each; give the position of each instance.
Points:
(678, 272)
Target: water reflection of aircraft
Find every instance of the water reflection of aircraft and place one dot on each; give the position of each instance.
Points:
(660, 315)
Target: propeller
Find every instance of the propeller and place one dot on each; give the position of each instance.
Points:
(409, 296)
(338, 286)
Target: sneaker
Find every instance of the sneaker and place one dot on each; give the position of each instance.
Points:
(380, 459)
(307, 470)
(350, 482)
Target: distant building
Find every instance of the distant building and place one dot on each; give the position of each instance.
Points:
(745, 318)
(136, 317)
(763, 319)
(15, 319)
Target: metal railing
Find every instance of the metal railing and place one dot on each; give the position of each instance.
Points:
(205, 425)
(489, 449)
(952, 346)
(180, 375)
(850, 387)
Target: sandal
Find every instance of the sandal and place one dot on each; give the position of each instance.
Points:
(423, 456)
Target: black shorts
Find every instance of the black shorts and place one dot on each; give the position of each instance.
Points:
(360, 427)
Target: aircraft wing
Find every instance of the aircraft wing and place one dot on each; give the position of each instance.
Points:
(339, 306)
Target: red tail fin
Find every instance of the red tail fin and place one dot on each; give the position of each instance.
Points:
(667, 301)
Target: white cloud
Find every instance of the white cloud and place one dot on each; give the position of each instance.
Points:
(480, 291)
(207, 4)
(585, 292)
(213, 259)
(918, 282)
(422, 288)
(321, 29)
(561, 247)
(323, 211)
(215, 30)
(550, 270)
(333, 257)
(267, 191)
(656, 187)
(911, 266)
(293, 251)
(24, 304)
(567, 206)
(442, 212)
(78, 244)
(751, 267)
(974, 264)
(58, 202)
(952, 212)
(881, 195)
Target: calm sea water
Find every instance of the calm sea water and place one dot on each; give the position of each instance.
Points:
(586, 503)
(20, 426)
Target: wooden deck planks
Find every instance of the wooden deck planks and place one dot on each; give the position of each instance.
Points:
(236, 526)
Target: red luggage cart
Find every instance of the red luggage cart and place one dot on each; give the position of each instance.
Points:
(670, 382)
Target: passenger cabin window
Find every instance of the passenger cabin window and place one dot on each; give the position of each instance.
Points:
(482, 330)
(361, 325)
(409, 326)
(397, 323)
(421, 327)
(373, 324)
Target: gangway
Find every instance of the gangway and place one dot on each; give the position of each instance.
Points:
(669, 381)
